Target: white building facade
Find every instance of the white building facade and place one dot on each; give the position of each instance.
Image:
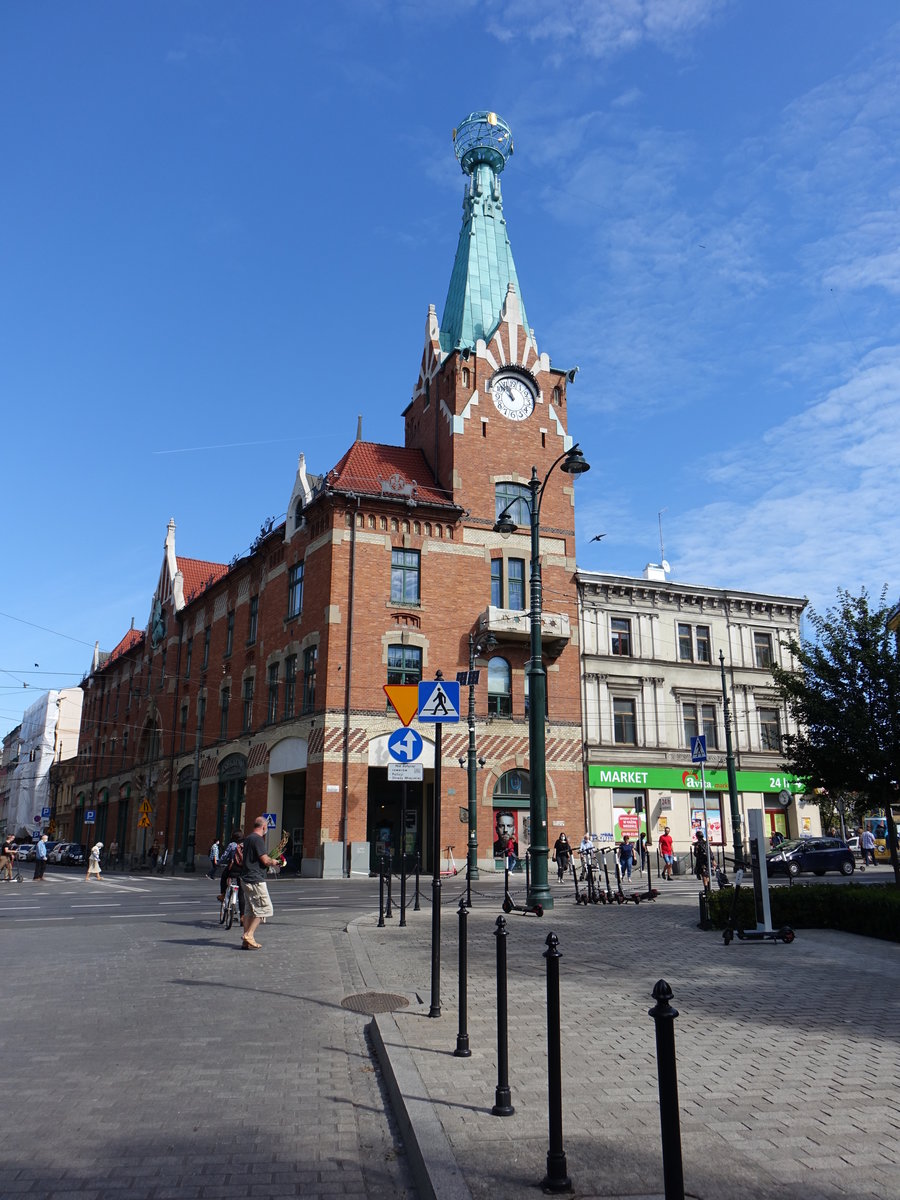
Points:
(652, 679)
(49, 732)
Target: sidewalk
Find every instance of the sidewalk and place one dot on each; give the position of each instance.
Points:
(789, 1056)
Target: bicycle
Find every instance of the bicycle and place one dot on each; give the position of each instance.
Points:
(230, 904)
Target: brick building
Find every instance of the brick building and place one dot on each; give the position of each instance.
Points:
(257, 686)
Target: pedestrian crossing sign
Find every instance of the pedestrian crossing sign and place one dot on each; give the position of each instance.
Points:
(144, 822)
(438, 701)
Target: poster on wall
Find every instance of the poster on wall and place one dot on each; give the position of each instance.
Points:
(714, 818)
(626, 820)
(506, 835)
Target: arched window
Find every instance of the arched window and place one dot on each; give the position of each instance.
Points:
(499, 688)
(465, 376)
(512, 788)
(514, 498)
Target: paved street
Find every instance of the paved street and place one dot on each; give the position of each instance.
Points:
(148, 1057)
(151, 1058)
(788, 1056)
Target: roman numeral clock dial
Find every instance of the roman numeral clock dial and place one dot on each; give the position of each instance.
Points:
(513, 397)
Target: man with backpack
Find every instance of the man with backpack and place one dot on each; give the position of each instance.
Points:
(232, 860)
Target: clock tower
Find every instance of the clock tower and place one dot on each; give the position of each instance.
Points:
(489, 414)
(487, 402)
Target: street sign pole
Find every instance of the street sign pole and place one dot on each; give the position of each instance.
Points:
(706, 828)
(435, 1010)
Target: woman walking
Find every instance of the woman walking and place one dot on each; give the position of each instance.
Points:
(562, 853)
(94, 862)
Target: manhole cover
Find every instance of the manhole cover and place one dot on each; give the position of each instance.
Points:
(374, 1002)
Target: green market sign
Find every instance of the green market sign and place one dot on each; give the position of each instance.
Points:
(675, 780)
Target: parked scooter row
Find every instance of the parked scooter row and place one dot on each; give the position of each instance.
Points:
(595, 893)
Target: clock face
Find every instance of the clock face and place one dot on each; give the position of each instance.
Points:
(513, 398)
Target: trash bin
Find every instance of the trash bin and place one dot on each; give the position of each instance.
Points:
(677, 866)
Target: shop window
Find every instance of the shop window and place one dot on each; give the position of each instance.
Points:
(770, 729)
(762, 649)
(499, 688)
(624, 722)
(620, 634)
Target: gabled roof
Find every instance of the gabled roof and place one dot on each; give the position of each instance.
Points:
(199, 575)
(391, 472)
(132, 639)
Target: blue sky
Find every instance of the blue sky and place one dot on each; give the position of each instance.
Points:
(222, 225)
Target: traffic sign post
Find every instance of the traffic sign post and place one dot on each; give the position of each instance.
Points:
(698, 749)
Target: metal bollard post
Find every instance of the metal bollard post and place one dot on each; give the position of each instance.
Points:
(403, 888)
(389, 911)
(664, 1016)
(416, 905)
(381, 892)
(705, 922)
(462, 1038)
(502, 1098)
(557, 1177)
(468, 886)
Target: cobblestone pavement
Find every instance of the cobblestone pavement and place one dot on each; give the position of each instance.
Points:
(148, 1058)
(788, 1055)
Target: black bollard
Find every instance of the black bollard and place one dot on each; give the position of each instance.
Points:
(416, 905)
(388, 910)
(403, 887)
(502, 1098)
(664, 1016)
(462, 1038)
(468, 885)
(557, 1177)
(381, 892)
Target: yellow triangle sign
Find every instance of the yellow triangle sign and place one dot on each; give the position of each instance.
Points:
(144, 822)
(146, 807)
(404, 698)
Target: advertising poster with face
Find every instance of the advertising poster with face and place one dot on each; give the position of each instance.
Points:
(506, 833)
(715, 825)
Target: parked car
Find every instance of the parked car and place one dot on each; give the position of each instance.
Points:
(26, 852)
(56, 855)
(816, 854)
(74, 855)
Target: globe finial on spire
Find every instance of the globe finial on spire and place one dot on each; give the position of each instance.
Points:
(482, 137)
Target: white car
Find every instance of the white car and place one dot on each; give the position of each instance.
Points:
(56, 854)
(26, 852)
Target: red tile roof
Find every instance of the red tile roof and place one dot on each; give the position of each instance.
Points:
(199, 575)
(132, 638)
(368, 465)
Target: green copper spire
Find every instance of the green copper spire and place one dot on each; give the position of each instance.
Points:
(484, 267)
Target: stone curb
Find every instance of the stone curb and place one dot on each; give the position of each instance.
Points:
(431, 1159)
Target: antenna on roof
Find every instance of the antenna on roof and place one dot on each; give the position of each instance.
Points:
(662, 550)
(359, 428)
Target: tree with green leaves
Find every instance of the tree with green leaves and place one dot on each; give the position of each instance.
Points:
(844, 696)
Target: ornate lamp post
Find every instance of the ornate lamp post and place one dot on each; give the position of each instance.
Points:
(573, 463)
(477, 646)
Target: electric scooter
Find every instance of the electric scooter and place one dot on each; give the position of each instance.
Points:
(509, 905)
(784, 934)
(608, 899)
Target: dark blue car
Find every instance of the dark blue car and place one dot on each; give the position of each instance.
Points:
(815, 854)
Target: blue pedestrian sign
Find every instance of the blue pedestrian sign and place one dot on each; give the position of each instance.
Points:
(270, 820)
(438, 701)
(698, 748)
(405, 745)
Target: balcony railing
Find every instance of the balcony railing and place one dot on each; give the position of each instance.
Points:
(507, 624)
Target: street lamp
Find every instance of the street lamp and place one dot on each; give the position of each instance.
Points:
(477, 646)
(573, 463)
